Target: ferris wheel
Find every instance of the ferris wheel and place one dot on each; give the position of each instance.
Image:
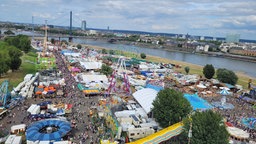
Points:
(120, 72)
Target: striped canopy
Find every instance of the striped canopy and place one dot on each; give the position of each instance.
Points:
(224, 92)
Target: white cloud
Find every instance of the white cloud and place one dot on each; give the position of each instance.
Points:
(163, 27)
(43, 15)
(173, 16)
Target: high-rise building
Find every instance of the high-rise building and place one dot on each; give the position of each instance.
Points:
(83, 27)
(232, 38)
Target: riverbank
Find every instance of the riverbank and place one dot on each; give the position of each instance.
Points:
(194, 69)
(192, 50)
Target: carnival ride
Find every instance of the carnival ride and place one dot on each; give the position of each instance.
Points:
(5, 96)
(119, 72)
(48, 130)
(162, 135)
(249, 122)
(45, 60)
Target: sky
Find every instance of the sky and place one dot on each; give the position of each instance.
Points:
(215, 18)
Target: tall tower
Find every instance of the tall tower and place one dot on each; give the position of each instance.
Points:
(33, 28)
(83, 26)
(45, 36)
(70, 28)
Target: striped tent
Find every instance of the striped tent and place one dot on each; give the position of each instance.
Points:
(224, 92)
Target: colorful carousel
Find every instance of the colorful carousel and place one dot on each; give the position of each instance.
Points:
(222, 104)
(237, 133)
(48, 130)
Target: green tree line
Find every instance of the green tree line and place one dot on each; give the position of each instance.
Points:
(21, 42)
(11, 51)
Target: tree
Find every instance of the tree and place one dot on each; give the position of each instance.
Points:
(15, 60)
(187, 69)
(161, 42)
(208, 71)
(25, 44)
(207, 128)
(79, 46)
(104, 51)
(112, 52)
(52, 40)
(143, 55)
(9, 32)
(170, 107)
(226, 76)
(3, 64)
(107, 70)
(22, 42)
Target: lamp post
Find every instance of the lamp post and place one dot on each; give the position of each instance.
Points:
(190, 130)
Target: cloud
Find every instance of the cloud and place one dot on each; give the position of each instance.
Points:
(163, 27)
(34, 2)
(173, 16)
(43, 15)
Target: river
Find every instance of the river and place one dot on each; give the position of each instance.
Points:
(248, 68)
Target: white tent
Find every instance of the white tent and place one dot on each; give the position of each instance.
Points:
(145, 98)
(62, 142)
(31, 108)
(91, 65)
(201, 86)
(13, 139)
(34, 109)
(224, 92)
(94, 78)
(238, 133)
(143, 67)
(17, 127)
(44, 142)
(72, 54)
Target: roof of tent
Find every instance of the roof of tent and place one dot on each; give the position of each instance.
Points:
(155, 87)
(20, 126)
(33, 132)
(81, 87)
(91, 91)
(95, 78)
(145, 98)
(91, 65)
(229, 86)
(61, 142)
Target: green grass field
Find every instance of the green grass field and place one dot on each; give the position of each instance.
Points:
(26, 67)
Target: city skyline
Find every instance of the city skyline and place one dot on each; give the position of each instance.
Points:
(197, 17)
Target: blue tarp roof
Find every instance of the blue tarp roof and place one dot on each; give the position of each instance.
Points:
(147, 73)
(157, 88)
(60, 112)
(33, 134)
(197, 103)
(66, 51)
(229, 85)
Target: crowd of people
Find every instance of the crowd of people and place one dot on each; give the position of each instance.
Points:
(234, 116)
(85, 131)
